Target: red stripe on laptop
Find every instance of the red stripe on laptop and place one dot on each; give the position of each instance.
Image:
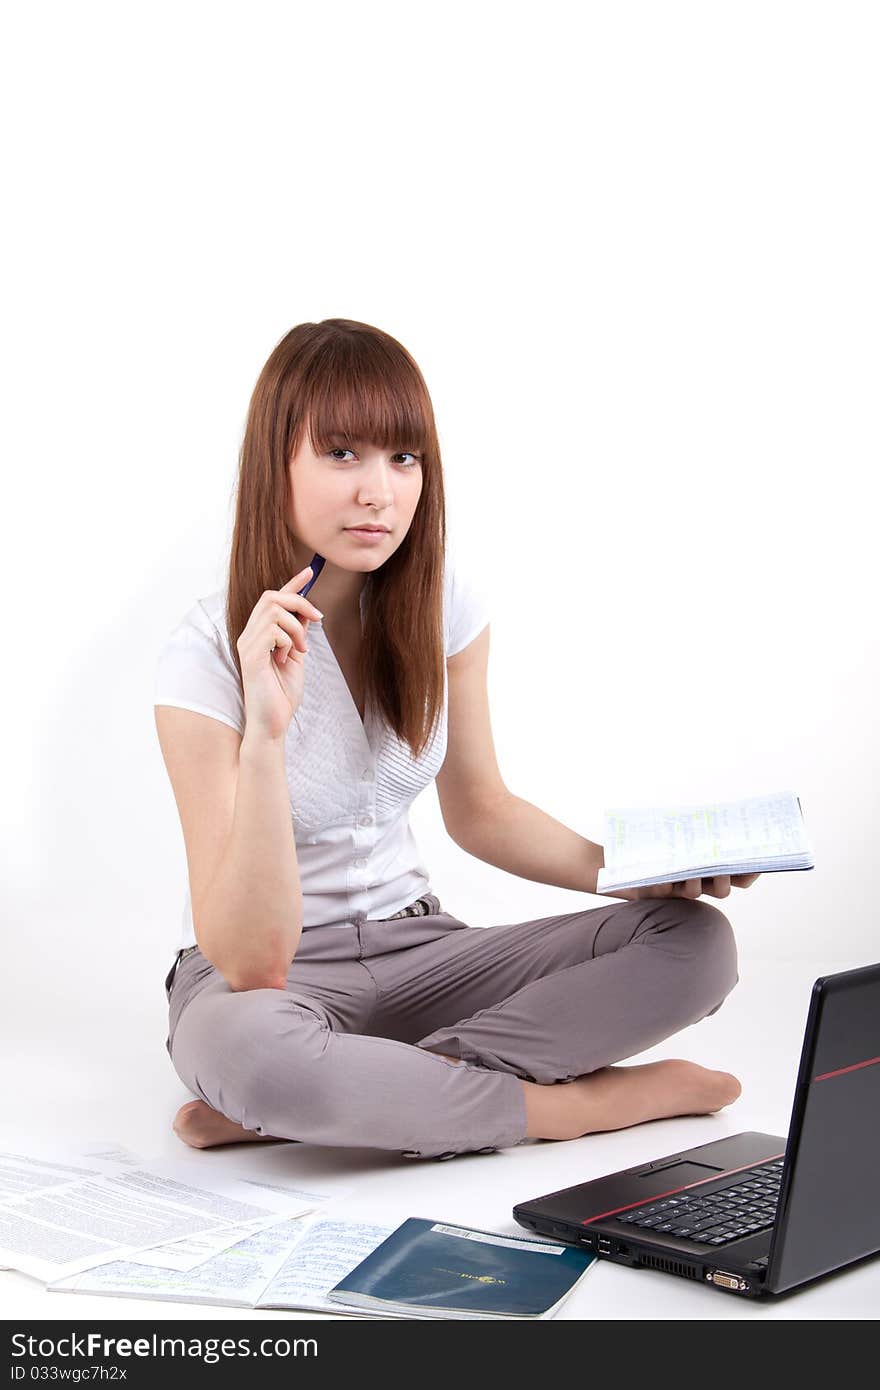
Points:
(841, 1071)
(756, 1163)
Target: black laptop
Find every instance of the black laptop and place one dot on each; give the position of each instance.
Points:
(753, 1213)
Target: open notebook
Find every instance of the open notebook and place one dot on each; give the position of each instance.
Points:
(663, 844)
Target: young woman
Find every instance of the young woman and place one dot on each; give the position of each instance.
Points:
(321, 993)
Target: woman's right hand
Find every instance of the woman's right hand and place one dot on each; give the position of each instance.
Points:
(272, 650)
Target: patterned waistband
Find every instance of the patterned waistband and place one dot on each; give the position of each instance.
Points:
(420, 908)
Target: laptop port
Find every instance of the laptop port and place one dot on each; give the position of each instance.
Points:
(604, 1245)
(588, 1241)
(725, 1280)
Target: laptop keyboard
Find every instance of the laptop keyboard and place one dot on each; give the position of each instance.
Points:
(718, 1217)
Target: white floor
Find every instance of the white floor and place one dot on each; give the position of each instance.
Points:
(111, 1079)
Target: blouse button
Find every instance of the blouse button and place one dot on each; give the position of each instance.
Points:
(368, 775)
(366, 820)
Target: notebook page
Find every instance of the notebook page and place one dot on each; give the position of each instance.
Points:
(658, 839)
(327, 1251)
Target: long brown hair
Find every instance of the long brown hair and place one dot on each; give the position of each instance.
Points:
(343, 378)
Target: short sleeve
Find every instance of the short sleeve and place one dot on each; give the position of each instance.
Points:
(467, 604)
(196, 671)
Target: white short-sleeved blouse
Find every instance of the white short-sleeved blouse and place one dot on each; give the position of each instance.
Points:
(351, 782)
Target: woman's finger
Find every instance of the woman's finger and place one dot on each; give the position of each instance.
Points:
(689, 888)
(298, 581)
(659, 890)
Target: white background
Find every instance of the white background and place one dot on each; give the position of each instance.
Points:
(633, 248)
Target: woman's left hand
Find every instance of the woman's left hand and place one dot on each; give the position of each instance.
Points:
(717, 887)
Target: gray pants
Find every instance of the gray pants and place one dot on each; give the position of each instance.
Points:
(347, 1053)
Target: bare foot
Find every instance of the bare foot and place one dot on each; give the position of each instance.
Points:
(201, 1127)
(615, 1097)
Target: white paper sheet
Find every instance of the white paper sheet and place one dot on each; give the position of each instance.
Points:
(187, 1254)
(290, 1264)
(235, 1277)
(36, 1172)
(67, 1218)
(110, 1151)
(26, 1174)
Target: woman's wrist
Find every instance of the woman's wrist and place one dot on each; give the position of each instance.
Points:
(257, 747)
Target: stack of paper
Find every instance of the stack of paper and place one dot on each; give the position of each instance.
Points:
(102, 1221)
(63, 1215)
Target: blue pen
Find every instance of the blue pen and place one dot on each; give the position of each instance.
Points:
(317, 566)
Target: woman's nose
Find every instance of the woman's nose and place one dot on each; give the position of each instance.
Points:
(375, 487)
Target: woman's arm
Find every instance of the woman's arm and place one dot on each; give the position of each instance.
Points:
(249, 921)
(518, 837)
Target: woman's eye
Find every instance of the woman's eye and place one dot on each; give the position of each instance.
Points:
(416, 458)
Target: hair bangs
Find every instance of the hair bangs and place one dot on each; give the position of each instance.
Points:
(371, 399)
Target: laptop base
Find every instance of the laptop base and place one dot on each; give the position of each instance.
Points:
(590, 1214)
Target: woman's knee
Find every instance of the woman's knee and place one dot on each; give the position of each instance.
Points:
(229, 1043)
(278, 1070)
(717, 953)
(702, 935)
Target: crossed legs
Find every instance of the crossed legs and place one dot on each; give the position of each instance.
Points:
(577, 994)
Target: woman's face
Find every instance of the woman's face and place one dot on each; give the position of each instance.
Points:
(347, 486)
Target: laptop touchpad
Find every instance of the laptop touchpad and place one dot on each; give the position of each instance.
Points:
(682, 1173)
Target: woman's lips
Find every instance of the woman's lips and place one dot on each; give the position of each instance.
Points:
(362, 535)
